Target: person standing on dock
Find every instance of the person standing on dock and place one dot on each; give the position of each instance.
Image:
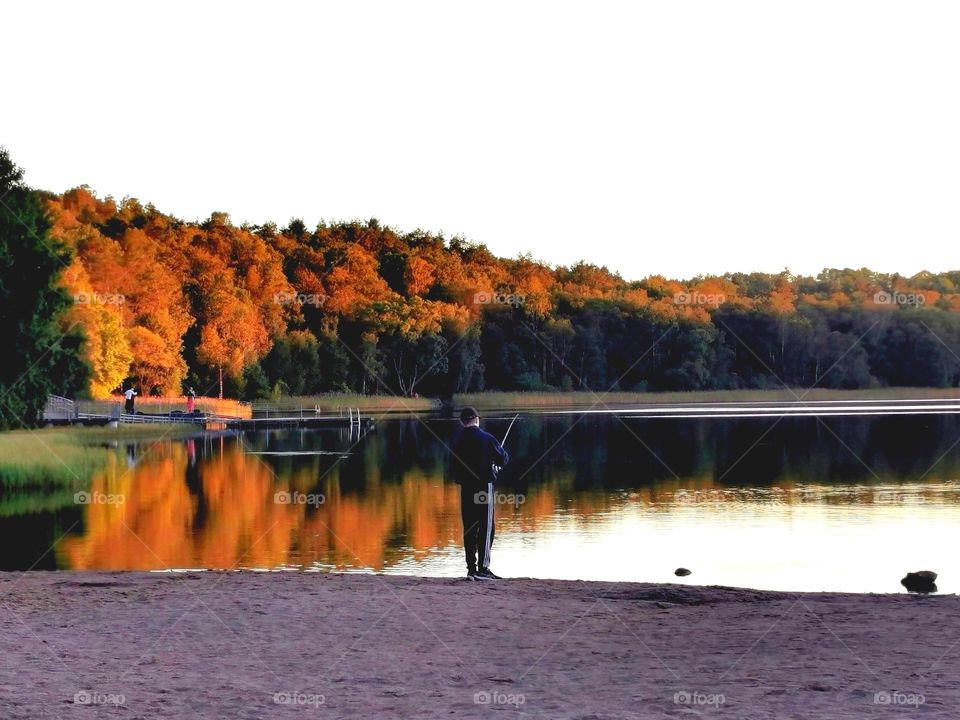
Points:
(129, 394)
(475, 454)
(191, 398)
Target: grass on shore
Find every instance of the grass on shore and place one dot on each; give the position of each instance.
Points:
(538, 400)
(150, 404)
(336, 403)
(67, 455)
(333, 404)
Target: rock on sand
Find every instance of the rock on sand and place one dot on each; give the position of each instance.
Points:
(922, 581)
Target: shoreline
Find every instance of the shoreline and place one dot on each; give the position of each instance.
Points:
(249, 645)
(507, 401)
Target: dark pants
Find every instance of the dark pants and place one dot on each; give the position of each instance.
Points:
(476, 511)
(128, 407)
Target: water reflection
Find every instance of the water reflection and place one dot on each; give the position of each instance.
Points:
(803, 504)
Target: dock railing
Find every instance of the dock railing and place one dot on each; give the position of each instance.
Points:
(60, 408)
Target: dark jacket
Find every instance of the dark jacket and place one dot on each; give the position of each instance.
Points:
(473, 455)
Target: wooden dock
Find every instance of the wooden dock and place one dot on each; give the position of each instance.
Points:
(296, 421)
(61, 411)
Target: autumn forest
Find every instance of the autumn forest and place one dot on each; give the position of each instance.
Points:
(358, 306)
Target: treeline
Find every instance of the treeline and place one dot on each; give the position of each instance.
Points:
(357, 306)
(40, 355)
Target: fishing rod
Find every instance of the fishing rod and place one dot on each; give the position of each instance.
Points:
(509, 427)
(496, 468)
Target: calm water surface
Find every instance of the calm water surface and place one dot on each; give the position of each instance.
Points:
(839, 503)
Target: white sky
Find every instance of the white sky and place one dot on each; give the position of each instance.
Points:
(653, 137)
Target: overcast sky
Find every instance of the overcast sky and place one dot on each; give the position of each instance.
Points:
(652, 137)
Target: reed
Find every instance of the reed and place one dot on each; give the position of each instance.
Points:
(166, 404)
(547, 400)
(336, 403)
(70, 455)
(332, 404)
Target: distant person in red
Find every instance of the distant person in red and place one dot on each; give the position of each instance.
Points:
(129, 394)
(191, 397)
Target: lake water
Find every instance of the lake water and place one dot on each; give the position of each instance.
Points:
(833, 503)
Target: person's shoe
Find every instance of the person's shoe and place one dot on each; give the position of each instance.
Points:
(471, 574)
(487, 574)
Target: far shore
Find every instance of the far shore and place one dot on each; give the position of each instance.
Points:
(292, 644)
(342, 403)
(532, 401)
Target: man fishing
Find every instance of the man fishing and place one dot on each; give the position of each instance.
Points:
(129, 394)
(477, 458)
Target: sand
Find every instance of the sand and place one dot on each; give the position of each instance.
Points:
(277, 645)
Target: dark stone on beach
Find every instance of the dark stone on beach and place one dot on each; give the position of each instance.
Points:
(682, 572)
(923, 581)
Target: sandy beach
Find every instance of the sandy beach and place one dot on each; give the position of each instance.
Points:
(265, 645)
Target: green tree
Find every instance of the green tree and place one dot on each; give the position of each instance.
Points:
(41, 357)
(295, 360)
(110, 354)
